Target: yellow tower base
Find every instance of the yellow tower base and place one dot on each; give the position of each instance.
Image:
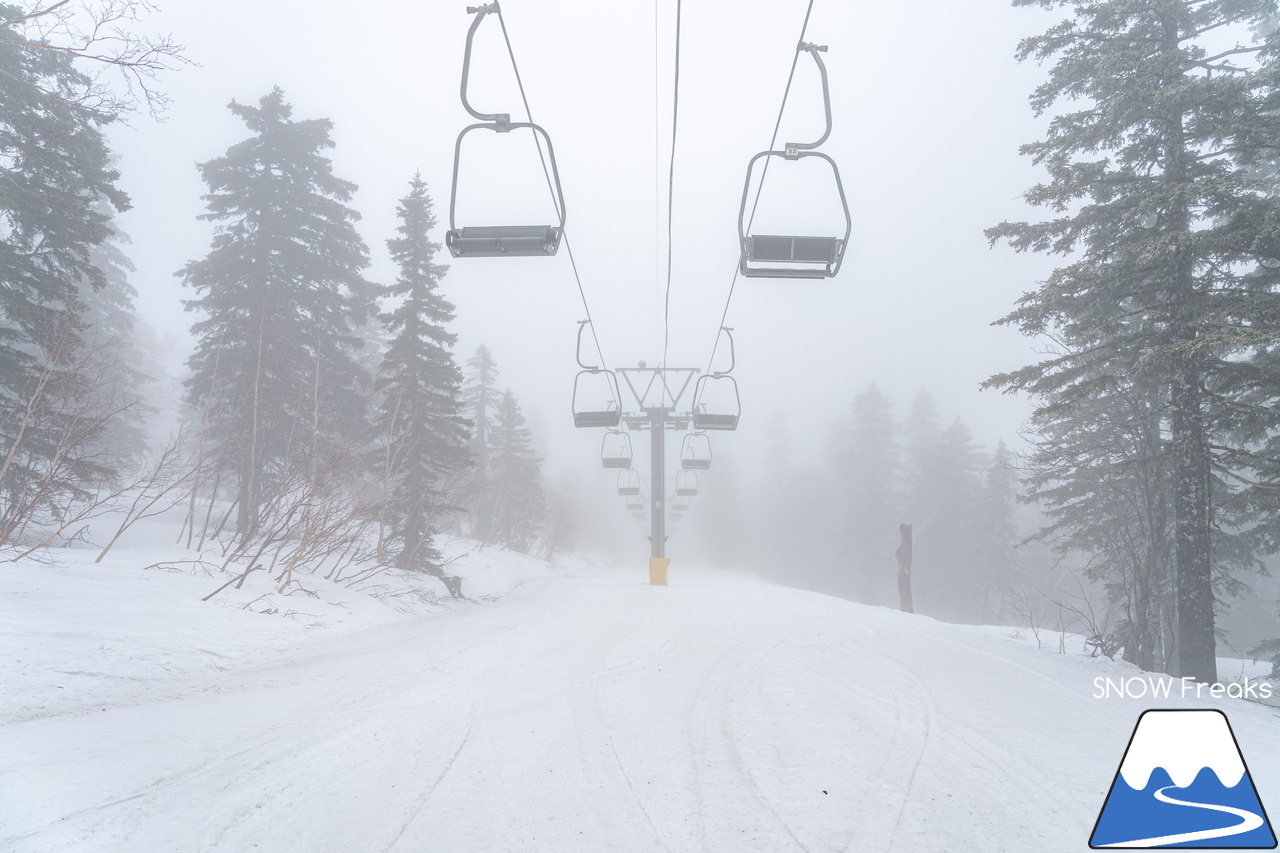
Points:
(658, 570)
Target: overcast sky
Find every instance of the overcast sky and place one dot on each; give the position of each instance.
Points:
(929, 110)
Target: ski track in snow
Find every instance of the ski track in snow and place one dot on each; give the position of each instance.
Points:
(719, 714)
(626, 779)
(742, 765)
(425, 797)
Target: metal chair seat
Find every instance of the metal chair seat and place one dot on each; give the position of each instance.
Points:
(823, 252)
(500, 241)
(703, 420)
(597, 419)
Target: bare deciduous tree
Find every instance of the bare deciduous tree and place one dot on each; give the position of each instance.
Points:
(103, 32)
(60, 468)
(159, 486)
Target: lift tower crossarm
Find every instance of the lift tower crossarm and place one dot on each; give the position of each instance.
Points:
(669, 385)
(658, 375)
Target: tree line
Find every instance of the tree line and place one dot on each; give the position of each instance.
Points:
(1156, 434)
(1155, 439)
(329, 423)
(328, 426)
(831, 522)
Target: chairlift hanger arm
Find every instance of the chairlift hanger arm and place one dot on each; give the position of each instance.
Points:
(582, 324)
(792, 149)
(503, 120)
(733, 356)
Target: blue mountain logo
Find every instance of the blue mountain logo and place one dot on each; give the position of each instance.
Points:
(1183, 783)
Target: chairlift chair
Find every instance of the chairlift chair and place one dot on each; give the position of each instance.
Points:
(615, 451)
(628, 482)
(496, 241)
(595, 400)
(679, 506)
(795, 256)
(639, 516)
(695, 452)
(636, 505)
(722, 411)
(686, 483)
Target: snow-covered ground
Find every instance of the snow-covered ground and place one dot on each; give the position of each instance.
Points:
(80, 635)
(564, 707)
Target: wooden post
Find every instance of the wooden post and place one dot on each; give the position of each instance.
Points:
(904, 569)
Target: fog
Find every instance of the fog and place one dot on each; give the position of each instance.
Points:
(318, 575)
(929, 108)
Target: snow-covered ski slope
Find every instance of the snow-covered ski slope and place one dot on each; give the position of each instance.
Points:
(597, 713)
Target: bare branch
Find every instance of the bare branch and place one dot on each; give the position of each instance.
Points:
(102, 32)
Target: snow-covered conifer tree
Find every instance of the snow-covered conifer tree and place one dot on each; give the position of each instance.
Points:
(419, 418)
(279, 297)
(515, 480)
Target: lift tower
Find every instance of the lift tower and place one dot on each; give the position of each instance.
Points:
(656, 403)
(657, 392)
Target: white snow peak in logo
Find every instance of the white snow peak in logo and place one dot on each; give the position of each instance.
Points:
(1183, 783)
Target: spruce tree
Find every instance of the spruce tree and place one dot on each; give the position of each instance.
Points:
(54, 195)
(998, 534)
(781, 499)
(279, 295)
(515, 489)
(924, 447)
(1103, 478)
(419, 385)
(1165, 227)
(943, 493)
(482, 400)
(871, 474)
(114, 357)
(953, 579)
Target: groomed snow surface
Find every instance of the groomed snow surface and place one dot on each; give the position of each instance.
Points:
(565, 707)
